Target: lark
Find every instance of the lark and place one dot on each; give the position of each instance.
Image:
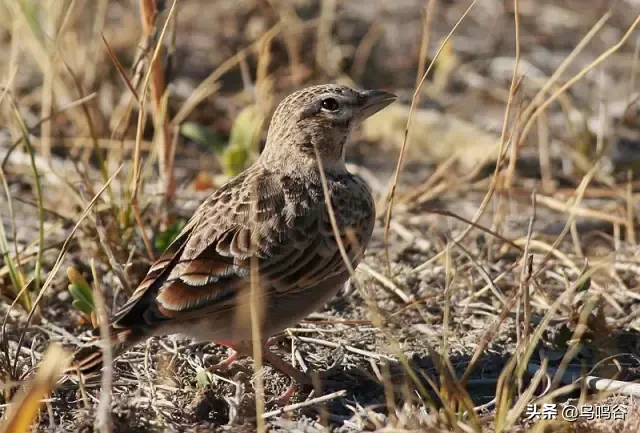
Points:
(261, 253)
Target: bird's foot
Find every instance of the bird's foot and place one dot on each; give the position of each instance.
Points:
(284, 398)
(244, 348)
(225, 363)
(281, 365)
(238, 350)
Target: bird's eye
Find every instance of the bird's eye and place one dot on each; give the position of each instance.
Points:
(330, 104)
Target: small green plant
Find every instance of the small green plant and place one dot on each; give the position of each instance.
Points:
(81, 293)
(164, 238)
(203, 378)
(16, 276)
(243, 141)
(201, 135)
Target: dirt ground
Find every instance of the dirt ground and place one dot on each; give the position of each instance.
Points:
(436, 298)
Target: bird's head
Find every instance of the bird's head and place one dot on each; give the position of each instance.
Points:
(320, 117)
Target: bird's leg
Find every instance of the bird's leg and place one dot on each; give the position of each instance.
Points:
(225, 363)
(245, 349)
(299, 378)
(235, 355)
(284, 367)
(275, 339)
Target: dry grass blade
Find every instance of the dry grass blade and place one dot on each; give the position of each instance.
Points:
(414, 103)
(16, 275)
(584, 183)
(43, 120)
(377, 317)
(148, 16)
(530, 347)
(631, 226)
(91, 124)
(480, 227)
(593, 383)
(526, 274)
(208, 86)
(424, 43)
(485, 275)
(147, 6)
(564, 206)
(323, 36)
(120, 69)
(565, 64)
(38, 191)
(355, 350)
(256, 317)
(386, 282)
(611, 50)
(364, 50)
(63, 251)
(453, 394)
(514, 413)
(481, 277)
(488, 337)
(307, 403)
(7, 370)
(103, 419)
(515, 82)
(26, 405)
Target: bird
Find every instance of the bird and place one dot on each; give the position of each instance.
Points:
(261, 253)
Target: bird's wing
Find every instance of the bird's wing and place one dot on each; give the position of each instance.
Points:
(286, 233)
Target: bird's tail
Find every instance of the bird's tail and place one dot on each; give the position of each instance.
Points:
(88, 360)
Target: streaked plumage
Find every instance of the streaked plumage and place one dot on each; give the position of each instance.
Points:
(273, 216)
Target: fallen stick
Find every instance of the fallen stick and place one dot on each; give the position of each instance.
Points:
(295, 406)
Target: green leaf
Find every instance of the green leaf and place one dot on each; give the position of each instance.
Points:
(243, 141)
(87, 293)
(165, 238)
(235, 160)
(246, 128)
(203, 378)
(584, 286)
(82, 294)
(82, 306)
(201, 135)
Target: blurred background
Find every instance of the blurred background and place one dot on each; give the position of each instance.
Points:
(218, 59)
(181, 93)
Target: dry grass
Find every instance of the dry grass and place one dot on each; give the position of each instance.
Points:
(483, 290)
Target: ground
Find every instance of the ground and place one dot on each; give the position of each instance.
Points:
(433, 324)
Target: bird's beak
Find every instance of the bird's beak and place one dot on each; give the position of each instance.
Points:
(373, 101)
